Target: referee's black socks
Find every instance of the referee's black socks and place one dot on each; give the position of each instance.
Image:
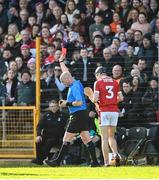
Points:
(63, 151)
(91, 149)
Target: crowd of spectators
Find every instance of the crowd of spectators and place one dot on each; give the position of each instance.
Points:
(121, 35)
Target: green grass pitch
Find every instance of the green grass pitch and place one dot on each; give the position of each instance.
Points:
(133, 172)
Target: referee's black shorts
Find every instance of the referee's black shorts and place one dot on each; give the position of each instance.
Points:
(78, 122)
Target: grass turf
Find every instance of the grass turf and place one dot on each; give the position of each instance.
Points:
(144, 172)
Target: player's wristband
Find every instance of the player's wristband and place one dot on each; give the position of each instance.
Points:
(69, 104)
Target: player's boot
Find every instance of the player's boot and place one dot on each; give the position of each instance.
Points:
(94, 164)
(117, 160)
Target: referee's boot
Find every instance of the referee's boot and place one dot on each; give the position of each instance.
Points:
(52, 163)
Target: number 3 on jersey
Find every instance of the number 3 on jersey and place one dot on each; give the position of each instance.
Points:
(110, 92)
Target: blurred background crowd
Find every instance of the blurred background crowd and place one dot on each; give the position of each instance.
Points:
(121, 35)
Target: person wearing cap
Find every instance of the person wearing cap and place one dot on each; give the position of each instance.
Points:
(31, 66)
(25, 52)
(106, 92)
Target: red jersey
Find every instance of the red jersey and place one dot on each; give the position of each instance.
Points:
(108, 92)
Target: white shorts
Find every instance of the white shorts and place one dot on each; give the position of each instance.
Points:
(108, 118)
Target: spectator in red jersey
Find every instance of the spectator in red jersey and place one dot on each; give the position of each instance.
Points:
(106, 91)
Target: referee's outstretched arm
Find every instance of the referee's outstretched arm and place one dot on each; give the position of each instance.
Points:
(62, 64)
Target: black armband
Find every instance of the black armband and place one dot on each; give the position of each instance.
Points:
(69, 104)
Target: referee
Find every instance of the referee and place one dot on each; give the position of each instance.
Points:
(78, 117)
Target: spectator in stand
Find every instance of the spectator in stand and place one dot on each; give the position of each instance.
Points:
(25, 92)
(153, 9)
(50, 58)
(25, 34)
(117, 58)
(71, 10)
(123, 10)
(3, 17)
(25, 53)
(155, 70)
(142, 67)
(116, 21)
(13, 66)
(13, 15)
(62, 25)
(132, 17)
(106, 12)
(3, 93)
(20, 66)
(51, 5)
(23, 4)
(4, 62)
(39, 12)
(35, 31)
(83, 68)
(23, 19)
(129, 60)
(135, 72)
(123, 44)
(150, 101)
(128, 103)
(13, 45)
(138, 37)
(135, 114)
(148, 52)
(107, 60)
(55, 16)
(130, 36)
(142, 24)
(50, 130)
(46, 35)
(107, 35)
(31, 64)
(78, 25)
(146, 5)
(31, 21)
(157, 25)
(154, 23)
(116, 41)
(52, 84)
(137, 4)
(11, 85)
(97, 26)
(13, 29)
(97, 48)
(117, 73)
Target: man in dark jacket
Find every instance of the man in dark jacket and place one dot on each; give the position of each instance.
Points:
(50, 130)
(25, 92)
(83, 68)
